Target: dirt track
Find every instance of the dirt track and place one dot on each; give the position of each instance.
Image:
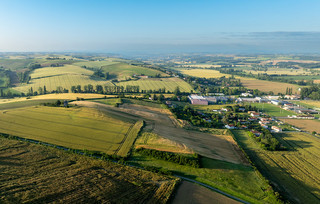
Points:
(221, 147)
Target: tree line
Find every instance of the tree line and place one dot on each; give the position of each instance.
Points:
(187, 160)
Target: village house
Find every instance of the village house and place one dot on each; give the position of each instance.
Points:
(276, 129)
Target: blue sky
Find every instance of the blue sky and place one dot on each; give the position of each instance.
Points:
(163, 25)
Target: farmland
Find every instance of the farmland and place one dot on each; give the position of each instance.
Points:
(294, 172)
(95, 64)
(267, 86)
(207, 73)
(123, 71)
(305, 125)
(37, 174)
(65, 76)
(278, 71)
(77, 128)
(169, 84)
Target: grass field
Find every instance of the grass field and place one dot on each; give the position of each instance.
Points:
(37, 174)
(266, 86)
(236, 179)
(95, 64)
(272, 110)
(207, 73)
(155, 84)
(124, 70)
(77, 128)
(294, 172)
(65, 76)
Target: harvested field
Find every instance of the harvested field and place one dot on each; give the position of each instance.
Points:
(160, 122)
(207, 73)
(306, 125)
(266, 86)
(193, 193)
(169, 84)
(37, 174)
(77, 128)
(278, 71)
(295, 173)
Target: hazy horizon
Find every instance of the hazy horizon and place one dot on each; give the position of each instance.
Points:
(143, 27)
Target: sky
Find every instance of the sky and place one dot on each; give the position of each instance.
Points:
(137, 26)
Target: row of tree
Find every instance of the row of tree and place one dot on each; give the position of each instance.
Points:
(187, 160)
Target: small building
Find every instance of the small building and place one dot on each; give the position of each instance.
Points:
(276, 102)
(276, 129)
(246, 95)
(254, 114)
(230, 127)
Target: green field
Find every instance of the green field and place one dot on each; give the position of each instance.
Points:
(77, 128)
(65, 76)
(169, 84)
(95, 64)
(124, 70)
(272, 110)
(295, 172)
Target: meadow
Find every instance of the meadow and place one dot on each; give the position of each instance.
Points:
(66, 76)
(170, 84)
(38, 174)
(294, 172)
(76, 128)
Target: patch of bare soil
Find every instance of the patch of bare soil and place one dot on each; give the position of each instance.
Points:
(192, 193)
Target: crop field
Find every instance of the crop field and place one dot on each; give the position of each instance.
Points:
(295, 172)
(306, 125)
(36, 174)
(124, 70)
(207, 73)
(65, 76)
(76, 128)
(272, 110)
(266, 86)
(155, 84)
(150, 140)
(201, 65)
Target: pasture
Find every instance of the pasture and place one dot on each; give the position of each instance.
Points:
(169, 84)
(37, 174)
(207, 73)
(76, 128)
(65, 76)
(124, 71)
(294, 172)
